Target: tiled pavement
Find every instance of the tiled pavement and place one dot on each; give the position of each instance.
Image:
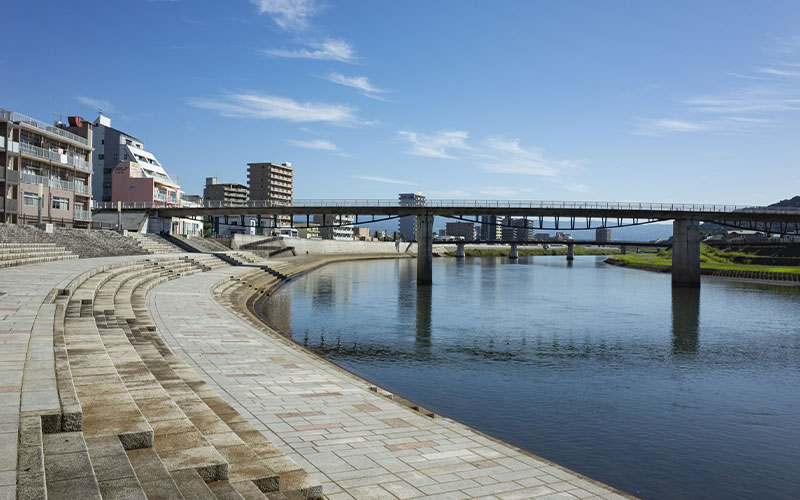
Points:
(358, 444)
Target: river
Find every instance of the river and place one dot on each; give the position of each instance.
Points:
(660, 392)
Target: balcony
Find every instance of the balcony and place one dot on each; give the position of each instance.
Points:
(158, 196)
(34, 179)
(72, 160)
(32, 122)
(82, 214)
(81, 188)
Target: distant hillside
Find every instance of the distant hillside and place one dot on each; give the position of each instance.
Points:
(717, 229)
(790, 203)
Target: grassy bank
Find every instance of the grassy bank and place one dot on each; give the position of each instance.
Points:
(528, 251)
(710, 258)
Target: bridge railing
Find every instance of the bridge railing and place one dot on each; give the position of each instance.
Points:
(471, 204)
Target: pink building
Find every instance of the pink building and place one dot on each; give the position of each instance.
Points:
(132, 183)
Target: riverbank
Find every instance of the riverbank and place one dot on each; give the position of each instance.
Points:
(406, 451)
(523, 251)
(713, 262)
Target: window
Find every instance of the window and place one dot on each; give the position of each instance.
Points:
(31, 200)
(102, 141)
(115, 156)
(126, 156)
(60, 203)
(106, 184)
(106, 170)
(100, 156)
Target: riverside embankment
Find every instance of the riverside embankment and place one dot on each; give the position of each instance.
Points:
(349, 434)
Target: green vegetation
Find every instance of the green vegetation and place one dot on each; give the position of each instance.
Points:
(528, 251)
(710, 258)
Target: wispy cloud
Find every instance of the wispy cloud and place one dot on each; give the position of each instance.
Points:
(727, 124)
(436, 145)
(384, 180)
(288, 14)
(756, 100)
(328, 50)
(259, 106)
(508, 157)
(360, 83)
(96, 104)
(321, 144)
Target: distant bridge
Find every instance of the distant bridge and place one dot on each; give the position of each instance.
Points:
(580, 215)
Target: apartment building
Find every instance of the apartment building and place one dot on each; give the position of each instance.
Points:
(602, 234)
(491, 228)
(462, 230)
(273, 183)
(228, 193)
(518, 229)
(408, 225)
(47, 166)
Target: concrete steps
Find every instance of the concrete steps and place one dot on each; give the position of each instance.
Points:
(154, 244)
(121, 416)
(16, 253)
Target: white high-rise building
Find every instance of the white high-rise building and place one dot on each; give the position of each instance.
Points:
(408, 225)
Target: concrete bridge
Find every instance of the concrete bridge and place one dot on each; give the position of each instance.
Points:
(575, 215)
(570, 244)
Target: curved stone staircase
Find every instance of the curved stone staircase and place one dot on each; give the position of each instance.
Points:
(154, 244)
(109, 411)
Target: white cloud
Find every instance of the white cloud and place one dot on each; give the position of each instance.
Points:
(384, 180)
(254, 105)
(768, 92)
(436, 145)
(329, 50)
(320, 144)
(360, 83)
(727, 124)
(288, 14)
(508, 157)
(96, 104)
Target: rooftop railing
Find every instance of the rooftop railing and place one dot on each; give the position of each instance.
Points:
(19, 117)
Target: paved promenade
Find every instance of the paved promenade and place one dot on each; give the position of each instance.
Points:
(358, 444)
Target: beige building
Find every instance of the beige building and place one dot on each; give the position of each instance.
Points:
(272, 183)
(47, 164)
(229, 193)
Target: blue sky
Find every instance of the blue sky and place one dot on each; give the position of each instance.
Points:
(616, 100)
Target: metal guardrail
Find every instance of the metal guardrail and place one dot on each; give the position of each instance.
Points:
(19, 117)
(472, 204)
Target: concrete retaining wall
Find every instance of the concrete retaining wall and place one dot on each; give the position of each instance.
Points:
(301, 246)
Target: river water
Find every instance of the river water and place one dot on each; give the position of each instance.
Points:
(608, 371)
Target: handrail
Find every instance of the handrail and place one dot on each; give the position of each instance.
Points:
(472, 204)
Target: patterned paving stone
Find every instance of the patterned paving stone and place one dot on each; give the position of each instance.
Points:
(355, 442)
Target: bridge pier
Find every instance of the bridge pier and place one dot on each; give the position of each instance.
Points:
(460, 253)
(424, 249)
(686, 253)
(623, 249)
(513, 254)
(570, 251)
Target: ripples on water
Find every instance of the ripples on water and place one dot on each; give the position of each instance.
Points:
(609, 371)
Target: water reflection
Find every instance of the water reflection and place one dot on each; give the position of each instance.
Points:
(685, 320)
(424, 313)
